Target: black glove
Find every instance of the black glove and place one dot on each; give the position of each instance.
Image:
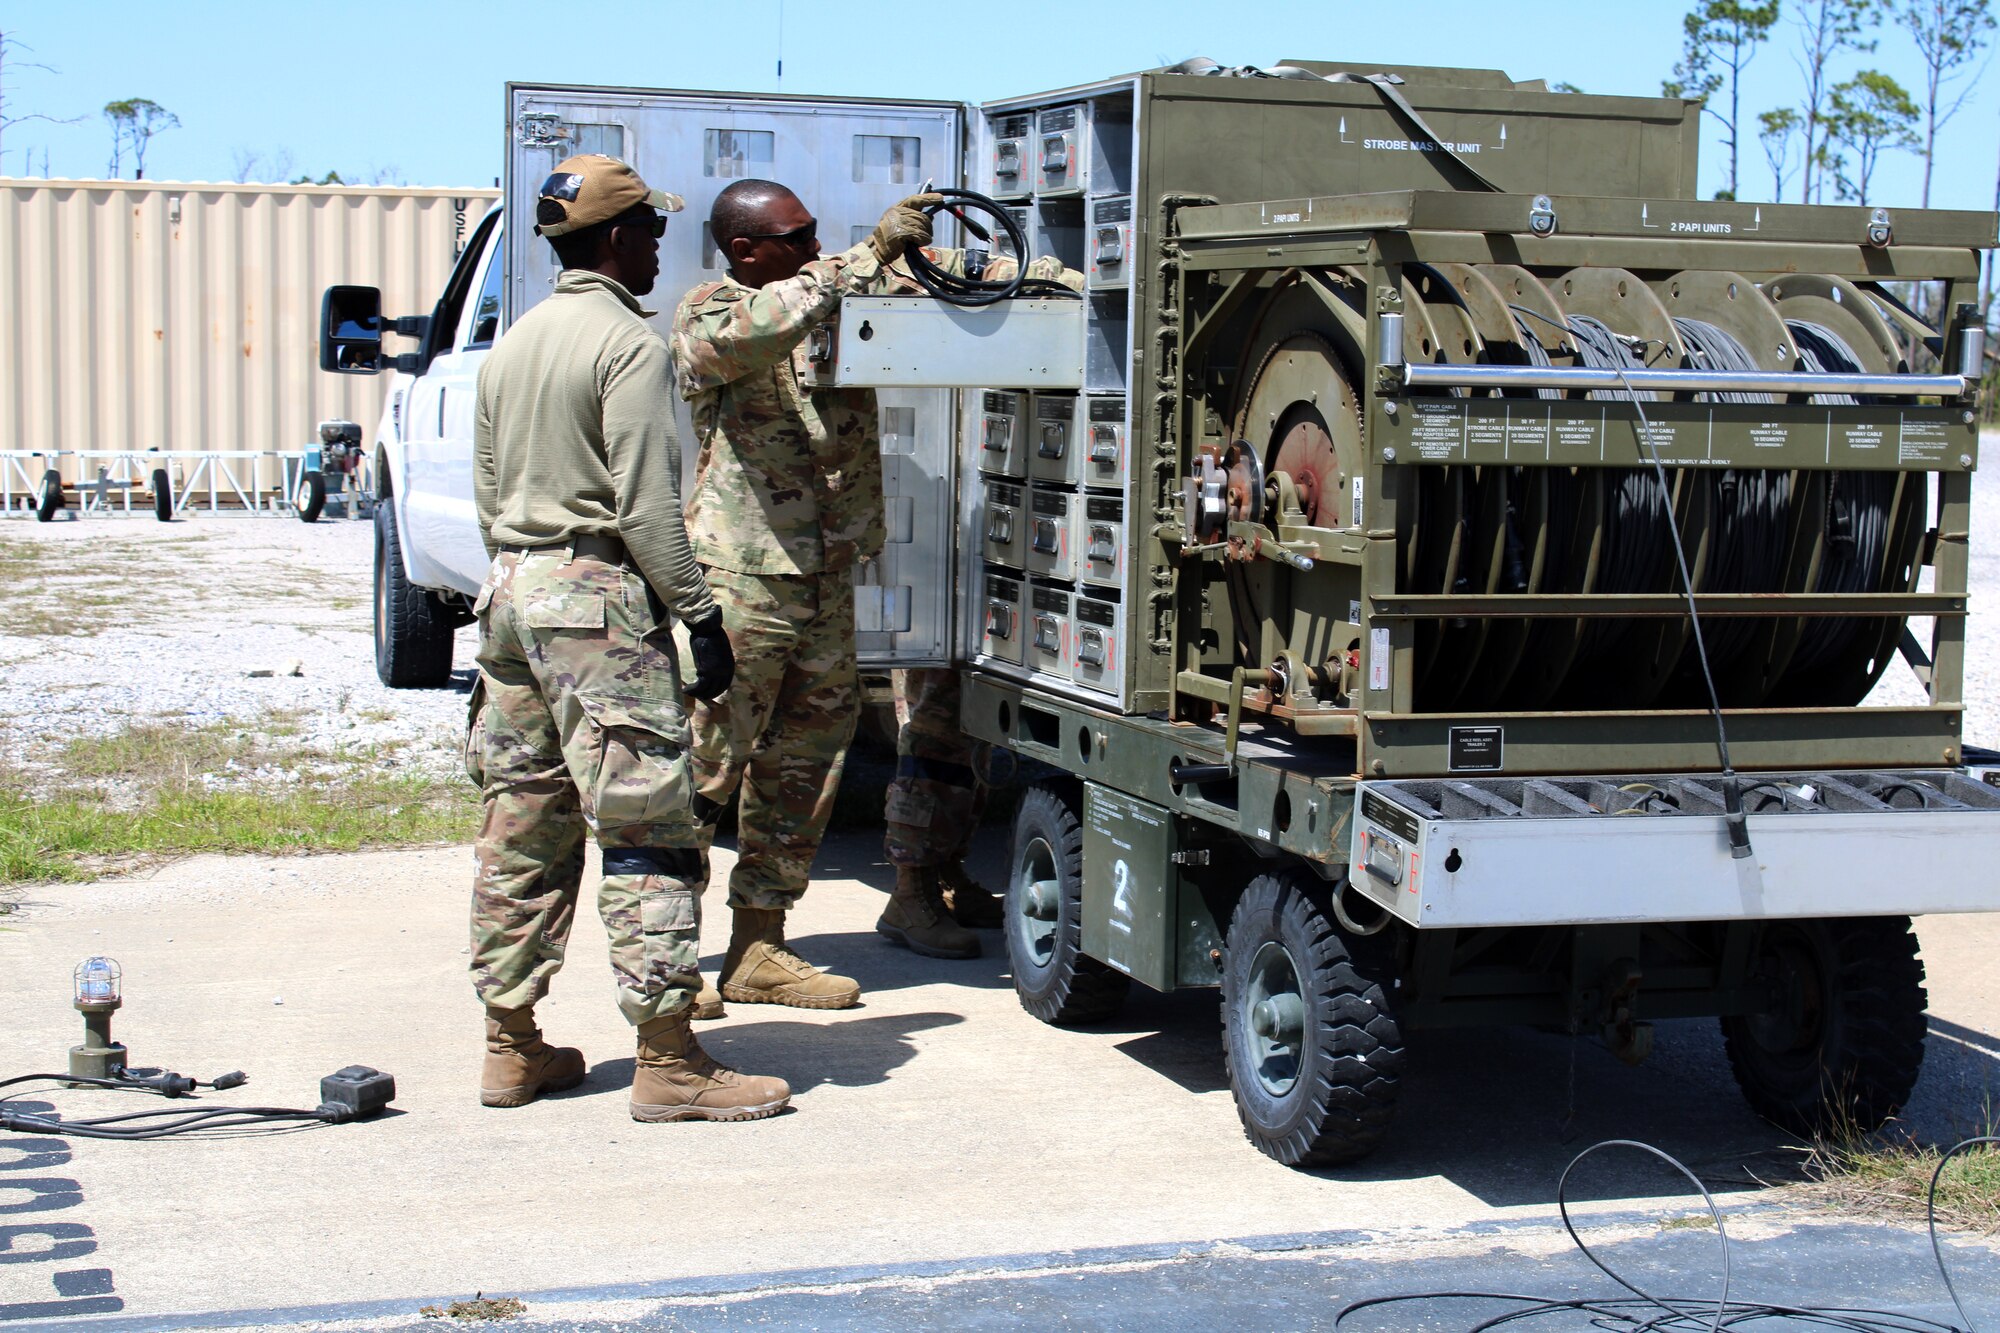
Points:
(714, 660)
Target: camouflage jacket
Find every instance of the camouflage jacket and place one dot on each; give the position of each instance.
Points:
(787, 480)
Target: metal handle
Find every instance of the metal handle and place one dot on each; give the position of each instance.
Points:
(1431, 376)
(1195, 775)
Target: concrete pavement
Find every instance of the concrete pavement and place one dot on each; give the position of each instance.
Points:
(937, 1126)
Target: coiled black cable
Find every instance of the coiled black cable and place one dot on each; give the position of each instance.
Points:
(1713, 348)
(957, 289)
(1752, 506)
(1856, 519)
(1532, 350)
(1823, 352)
(1599, 346)
(1636, 538)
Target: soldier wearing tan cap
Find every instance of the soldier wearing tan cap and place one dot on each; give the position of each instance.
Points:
(580, 715)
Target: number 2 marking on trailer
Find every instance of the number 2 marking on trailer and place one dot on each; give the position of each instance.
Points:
(1121, 897)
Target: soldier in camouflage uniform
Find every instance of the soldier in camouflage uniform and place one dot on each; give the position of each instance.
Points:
(578, 719)
(938, 795)
(787, 500)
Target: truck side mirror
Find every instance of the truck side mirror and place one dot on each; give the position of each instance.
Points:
(350, 331)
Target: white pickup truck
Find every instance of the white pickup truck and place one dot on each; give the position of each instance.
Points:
(850, 158)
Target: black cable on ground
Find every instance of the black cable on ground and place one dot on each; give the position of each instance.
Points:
(161, 1082)
(963, 291)
(355, 1092)
(1644, 1312)
(1930, 1218)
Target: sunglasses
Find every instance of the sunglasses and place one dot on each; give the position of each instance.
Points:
(656, 223)
(798, 237)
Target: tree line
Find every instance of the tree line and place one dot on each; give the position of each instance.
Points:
(1834, 136)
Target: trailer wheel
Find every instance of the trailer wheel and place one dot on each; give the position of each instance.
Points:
(1840, 1052)
(1309, 1031)
(1055, 981)
(413, 637)
(309, 496)
(163, 495)
(49, 496)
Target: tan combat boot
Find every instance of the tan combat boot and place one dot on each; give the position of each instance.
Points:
(675, 1079)
(970, 903)
(760, 968)
(916, 918)
(707, 1004)
(520, 1066)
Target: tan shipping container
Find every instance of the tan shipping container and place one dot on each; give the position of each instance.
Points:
(182, 316)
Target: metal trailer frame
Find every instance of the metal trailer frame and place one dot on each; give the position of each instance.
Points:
(233, 472)
(1472, 864)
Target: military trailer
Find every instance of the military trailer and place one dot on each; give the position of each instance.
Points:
(1331, 548)
(1354, 609)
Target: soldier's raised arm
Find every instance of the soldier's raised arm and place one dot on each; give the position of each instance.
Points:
(724, 331)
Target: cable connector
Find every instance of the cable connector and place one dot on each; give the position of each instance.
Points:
(355, 1093)
(235, 1078)
(1733, 818)
(163, 1081)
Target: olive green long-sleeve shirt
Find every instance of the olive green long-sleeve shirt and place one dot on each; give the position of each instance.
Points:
(575, 435)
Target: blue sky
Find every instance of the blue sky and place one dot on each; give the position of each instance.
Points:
(414, 89)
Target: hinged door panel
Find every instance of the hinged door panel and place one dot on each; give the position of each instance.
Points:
(848, 160)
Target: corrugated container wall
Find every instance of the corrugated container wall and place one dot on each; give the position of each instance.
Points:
(136, 315)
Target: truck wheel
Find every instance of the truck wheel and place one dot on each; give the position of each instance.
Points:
(1841, 1050)
(413, 639)
(1309, 1033)
(163, 495)
(1044, 906)
(49, 496)
(309, 496)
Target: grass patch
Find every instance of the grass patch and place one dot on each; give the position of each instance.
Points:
(1689, 1223)
(153, 792)
(1894, 1176)
(18, 558)
(74, 590)
(177, 755)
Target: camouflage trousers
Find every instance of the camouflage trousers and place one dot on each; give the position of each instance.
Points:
(937, 797)
(577, 725)
(780, 733)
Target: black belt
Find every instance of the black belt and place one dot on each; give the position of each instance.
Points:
(583, 546)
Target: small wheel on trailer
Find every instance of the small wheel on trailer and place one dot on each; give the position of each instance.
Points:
(1055, 980)
(163, 495)
(1840, 1050)
(1309, 1031)
(49, 496)
(309, 496)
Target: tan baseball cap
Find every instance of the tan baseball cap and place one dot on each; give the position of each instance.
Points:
(591, 188)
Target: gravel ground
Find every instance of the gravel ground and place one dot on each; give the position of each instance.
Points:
(170, 620)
